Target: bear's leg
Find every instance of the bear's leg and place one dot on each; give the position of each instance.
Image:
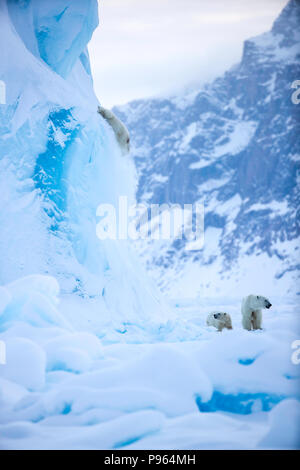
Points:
(257, 320)
(228, 323)
(253, 320)
(246, 322)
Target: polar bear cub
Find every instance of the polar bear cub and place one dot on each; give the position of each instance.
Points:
(121, 132)
(219, 320)
(251, 311)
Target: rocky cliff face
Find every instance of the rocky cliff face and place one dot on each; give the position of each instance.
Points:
(234, 146)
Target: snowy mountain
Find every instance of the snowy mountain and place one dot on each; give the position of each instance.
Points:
(233, 146)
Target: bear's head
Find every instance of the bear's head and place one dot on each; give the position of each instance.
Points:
(258, 302)
(220, 315)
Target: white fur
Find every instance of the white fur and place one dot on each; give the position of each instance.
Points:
(219, 320)
(252, 311)
(121, 132)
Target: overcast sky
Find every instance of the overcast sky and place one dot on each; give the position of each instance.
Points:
(148, 47)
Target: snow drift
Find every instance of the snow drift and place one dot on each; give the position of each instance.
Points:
(65, 388)
(95, 359)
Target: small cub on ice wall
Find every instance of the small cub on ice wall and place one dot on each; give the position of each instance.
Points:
(121, 132)
(219, 320)
(251, 311)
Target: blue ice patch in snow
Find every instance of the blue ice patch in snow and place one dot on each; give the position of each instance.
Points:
(247, 361)
(241, 403)
(67, 409)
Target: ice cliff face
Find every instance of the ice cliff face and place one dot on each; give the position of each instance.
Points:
(56, 31)
(59, 159)
(234, 146)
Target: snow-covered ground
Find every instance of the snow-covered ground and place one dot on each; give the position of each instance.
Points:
(174, 385)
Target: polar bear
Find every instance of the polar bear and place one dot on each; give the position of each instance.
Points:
(121, 132)
(251, 311)
(219, 320)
